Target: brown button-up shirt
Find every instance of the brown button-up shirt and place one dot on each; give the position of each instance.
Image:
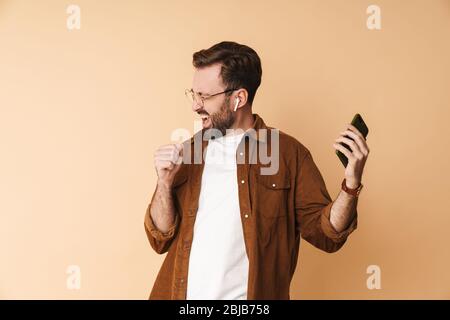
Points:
(276, 211)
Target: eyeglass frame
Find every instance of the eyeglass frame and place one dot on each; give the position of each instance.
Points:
(192, 92)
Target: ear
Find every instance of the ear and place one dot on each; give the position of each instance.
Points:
(242, 95)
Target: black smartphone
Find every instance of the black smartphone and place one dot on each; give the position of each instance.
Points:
(359, 123)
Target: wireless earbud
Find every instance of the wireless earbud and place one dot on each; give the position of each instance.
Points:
(236, 104)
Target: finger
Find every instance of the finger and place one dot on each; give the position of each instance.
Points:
(163, 157)
(171, 156)
(167, 149)
(176, 148)
(179, 147)
(167, 146)
(352, 144)
(345, 151)
(171, 146)
(174, 156)
(355, 130)
(165, 153)
(361, 142)
(165, 164)
(173, 150)
(162, 153)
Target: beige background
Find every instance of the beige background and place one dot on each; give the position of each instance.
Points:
(81, 113)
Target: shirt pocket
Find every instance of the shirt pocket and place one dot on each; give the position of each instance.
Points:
(272, 194)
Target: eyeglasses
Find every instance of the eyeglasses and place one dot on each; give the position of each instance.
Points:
(196, 97)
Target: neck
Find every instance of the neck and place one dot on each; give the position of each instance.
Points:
(244, 119)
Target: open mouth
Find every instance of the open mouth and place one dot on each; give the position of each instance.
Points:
(205, 119)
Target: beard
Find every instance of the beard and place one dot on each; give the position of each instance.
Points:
(224, 118)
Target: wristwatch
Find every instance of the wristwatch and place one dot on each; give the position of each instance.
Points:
(353, 192)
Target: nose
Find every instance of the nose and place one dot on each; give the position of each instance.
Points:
(196, 106)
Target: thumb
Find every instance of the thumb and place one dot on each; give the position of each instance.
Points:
(179, 147)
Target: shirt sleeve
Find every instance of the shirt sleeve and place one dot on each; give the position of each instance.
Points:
(160, 241)
(313, 207)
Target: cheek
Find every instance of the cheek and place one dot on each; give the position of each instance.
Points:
(214, 109)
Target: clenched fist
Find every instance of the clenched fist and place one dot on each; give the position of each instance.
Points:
(168, 159)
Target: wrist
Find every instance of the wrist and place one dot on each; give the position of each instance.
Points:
(353, 189)
(352, 183)
(165, 185)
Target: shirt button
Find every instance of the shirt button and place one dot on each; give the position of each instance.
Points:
(242, 181)
(241, 153)
(246, 215)
(273, 185)
(182, 280)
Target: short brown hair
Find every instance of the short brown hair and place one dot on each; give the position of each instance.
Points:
(241, 66)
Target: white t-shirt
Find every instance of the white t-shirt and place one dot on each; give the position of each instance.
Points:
(218, 263)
